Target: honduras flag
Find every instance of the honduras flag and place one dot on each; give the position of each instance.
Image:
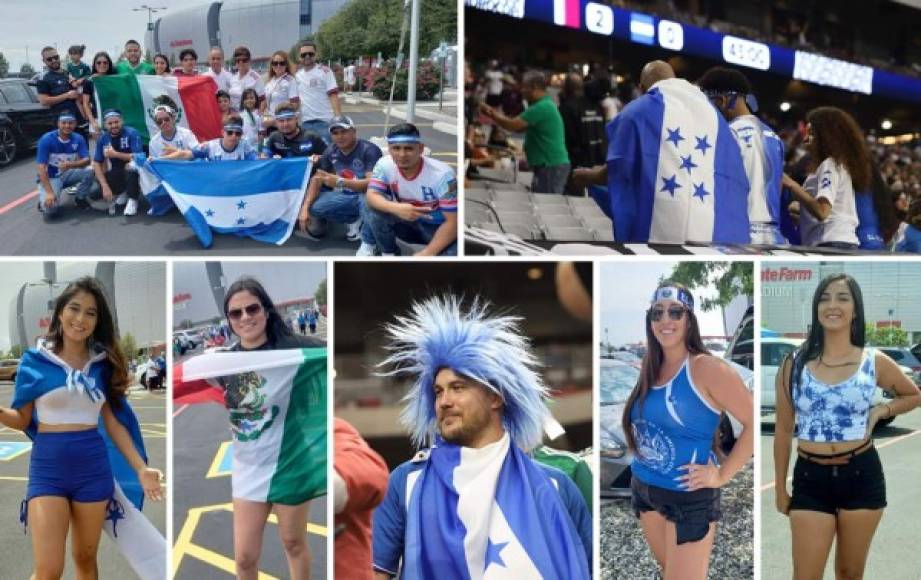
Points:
(259, 199)
(675, 173)
(489, 513)
(152, 188)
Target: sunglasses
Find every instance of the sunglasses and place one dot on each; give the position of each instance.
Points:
(251, 310)
(231, 134)
(279, 63)
(52, 58)
(241, 59)
(160, 120)
(675, 313)
(306, 54)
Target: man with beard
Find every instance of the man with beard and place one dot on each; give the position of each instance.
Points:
(132, 63)
(55, 91)
(291, 140)
(475, 500)
(114, 152)
(62, 162)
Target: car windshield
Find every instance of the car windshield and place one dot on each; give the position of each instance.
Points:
(772, 354)
(617, 380)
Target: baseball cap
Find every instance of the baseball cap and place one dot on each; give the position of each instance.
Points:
(341, 122)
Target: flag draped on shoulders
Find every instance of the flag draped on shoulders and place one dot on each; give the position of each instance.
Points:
(277, 405)
(675, 172)
(137, 95)
(454, 532)
(259, 199)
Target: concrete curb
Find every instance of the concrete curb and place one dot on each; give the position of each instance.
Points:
(442, 122)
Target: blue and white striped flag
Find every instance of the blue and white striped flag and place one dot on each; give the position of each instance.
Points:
(675, 173)
(152, 188)
(454, 531)
(259, 199)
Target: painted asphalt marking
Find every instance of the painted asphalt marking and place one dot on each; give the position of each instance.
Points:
(19, 201)
(223, 461)
(10, 450)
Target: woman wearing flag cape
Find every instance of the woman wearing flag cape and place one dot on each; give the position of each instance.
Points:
(475, 505)
(88, 459)
(670, 420)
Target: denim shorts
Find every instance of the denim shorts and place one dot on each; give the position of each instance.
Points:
(690, 511)
(71, 464)
(858, 484)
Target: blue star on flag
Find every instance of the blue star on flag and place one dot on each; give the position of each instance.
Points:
(674, 135)
(241, 204)
(493, 553)
(700, 192)
(241, 221)
(670, 185)
(687, 163)
(209, 213)
(702, 144)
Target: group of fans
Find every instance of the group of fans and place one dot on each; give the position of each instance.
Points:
(381, 198)
(820, 182)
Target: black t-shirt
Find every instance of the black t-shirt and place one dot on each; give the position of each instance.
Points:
(583, 122)
(304, 144)
(288, 341)
(55, 83)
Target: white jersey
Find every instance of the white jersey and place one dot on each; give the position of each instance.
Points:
(350, 74)
(222, 79)
(252, 123)
(314, 87)
(214, 150)
(494, 82)
(238, 84)
(762, 156)
(435, 186)
(831, 182)
(182, 139)
(280, 90)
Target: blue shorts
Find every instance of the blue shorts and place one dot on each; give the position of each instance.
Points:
(71, 464)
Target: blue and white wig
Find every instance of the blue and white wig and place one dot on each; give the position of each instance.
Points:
(440, 334)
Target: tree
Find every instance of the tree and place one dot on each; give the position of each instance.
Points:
(320, 295)
(26, 70)
(731, 279)
(4, 66)
(16, 351)
(128, 345)
(886, 336)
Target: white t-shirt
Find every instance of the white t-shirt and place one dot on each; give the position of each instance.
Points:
(280, 90)
(252, 122)
(314, 87)
(494, 82)
(238, 84)
(350, 74)
(832, 182)
(223, 79)
(182, 139)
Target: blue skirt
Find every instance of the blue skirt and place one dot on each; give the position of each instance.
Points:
(71, 464)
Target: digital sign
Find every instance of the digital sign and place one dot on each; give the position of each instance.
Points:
(628, 25)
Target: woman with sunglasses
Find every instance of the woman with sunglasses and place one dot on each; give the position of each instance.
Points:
(257, 325)
(244, 78)
(280, 87)
(670, 421)
(76, 375)
(825, 390)
(102, 65)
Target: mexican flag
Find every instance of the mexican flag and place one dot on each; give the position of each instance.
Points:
(137, 95)
(277, 405)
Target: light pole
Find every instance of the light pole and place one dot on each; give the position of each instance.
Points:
(150, 12)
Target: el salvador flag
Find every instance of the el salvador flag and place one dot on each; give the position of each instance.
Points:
(675, 173)
(490, 514)
(259, 199)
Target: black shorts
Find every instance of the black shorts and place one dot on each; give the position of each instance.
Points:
(857, 485)
(690, 511)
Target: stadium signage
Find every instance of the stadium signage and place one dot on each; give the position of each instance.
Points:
(832, 72)
(784, 274)
(178, 43)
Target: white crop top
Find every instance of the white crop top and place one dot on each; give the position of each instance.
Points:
(76, 402)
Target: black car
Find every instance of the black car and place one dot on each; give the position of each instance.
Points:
(23, 120)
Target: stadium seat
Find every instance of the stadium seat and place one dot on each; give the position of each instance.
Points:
(578, 234)
(548, 199)
(561, 221)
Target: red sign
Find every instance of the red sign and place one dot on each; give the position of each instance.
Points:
(178, 43)
(44, 322)
(185, 297)
(785, 274)
(888, 324)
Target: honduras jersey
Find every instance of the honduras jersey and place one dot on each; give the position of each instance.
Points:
(435, 186)
(762, 155)
(214, 151)
(53, 151)
(832, 182)
(183, 139)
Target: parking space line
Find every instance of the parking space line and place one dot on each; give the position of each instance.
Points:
(12, 478)
(179, 410)
(215, 469)
(19, 201)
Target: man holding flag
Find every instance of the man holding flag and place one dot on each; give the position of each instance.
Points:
(474, 504)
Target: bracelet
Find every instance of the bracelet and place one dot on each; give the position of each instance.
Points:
(889, 409)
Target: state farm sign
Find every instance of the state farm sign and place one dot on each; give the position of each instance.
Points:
(784, 274)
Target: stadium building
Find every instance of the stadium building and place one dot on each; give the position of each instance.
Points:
(138, 288)
(263, 26)
(890, 294)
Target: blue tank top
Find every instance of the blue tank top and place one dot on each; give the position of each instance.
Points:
(673, 427)
(868, 232)
(833, 413)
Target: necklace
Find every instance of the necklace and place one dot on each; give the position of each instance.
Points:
(837, 366)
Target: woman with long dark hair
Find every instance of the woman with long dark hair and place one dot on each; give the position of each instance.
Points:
(75, 374)
(670, 422)
(840, 166)
(825, 393)
(102, 65)
(256, 322)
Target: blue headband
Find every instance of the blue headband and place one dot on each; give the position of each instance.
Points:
(66, 117)
(233, 127)
(674, 293)
(112, 113)
(286, 115)
(403, 139)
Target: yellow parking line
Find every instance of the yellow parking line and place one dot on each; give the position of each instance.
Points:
(184, 539)
(219, 561)
(12, 478)
(216, 463)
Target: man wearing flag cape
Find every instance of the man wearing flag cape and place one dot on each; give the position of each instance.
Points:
(474, 505)
(88, 468)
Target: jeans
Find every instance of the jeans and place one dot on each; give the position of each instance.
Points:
(383, 229)
(68, 178)
(342, 207)
(838, 245)
(120, 178)
(320, 127)
(550, 179)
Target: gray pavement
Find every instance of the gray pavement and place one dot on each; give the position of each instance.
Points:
(78, 233)
(893, 553)
(16, 558)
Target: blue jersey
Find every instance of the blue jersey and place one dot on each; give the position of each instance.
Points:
(868, 223)
(355, 165)
(127, 141)
(52, 150)
(911, 242)
(673, 427)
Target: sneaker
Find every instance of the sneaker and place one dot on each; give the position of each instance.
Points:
(366, 250)
(69, 190)
(353, 233)
(112, 208)
(131, 207)
(81, 203)
(121, 199)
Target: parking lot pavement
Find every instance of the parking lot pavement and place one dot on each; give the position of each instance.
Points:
(16, 558)
(202, 508)
(626, 556)
(893, 554)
